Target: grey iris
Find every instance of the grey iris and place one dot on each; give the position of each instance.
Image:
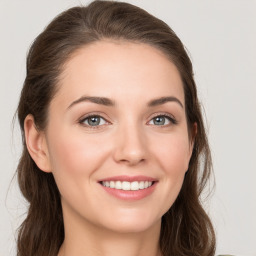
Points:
(159, 120)
(94, 120)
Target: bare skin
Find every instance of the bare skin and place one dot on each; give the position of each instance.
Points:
(102, 243)
(120, 110)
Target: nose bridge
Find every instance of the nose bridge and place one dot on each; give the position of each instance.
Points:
(131, 143)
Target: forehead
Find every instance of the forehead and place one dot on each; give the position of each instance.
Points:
(119, 69)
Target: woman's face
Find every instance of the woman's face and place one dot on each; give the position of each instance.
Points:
(117, 138)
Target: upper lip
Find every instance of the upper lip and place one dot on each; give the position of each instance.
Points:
(128, 178)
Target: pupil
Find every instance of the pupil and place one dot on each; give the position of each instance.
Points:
(159, 120)
(94, 121)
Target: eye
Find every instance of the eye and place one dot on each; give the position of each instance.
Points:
(162, 120)
(93, 120)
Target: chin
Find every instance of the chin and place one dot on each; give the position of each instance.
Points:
(132, 223)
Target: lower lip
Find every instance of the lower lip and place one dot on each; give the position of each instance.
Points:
(130, 194)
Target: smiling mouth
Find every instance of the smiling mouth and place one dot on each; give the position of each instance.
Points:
(127, 186)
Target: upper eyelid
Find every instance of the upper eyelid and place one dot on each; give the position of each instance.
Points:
(163, 114)
(101, 115)
(86, 117)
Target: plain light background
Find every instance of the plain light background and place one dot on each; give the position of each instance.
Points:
(220, 36)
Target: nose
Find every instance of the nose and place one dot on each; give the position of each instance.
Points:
(131, 145)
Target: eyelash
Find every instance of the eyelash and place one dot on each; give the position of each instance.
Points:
(81, 121)
(165, 115)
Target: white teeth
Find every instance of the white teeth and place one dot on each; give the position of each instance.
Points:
(141, 185)
(118, 185)
(126, 185)
(112, 184)
(135, 185)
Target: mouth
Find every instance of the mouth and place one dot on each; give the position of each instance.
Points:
(127, 185)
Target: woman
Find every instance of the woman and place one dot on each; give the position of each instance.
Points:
(115, 153)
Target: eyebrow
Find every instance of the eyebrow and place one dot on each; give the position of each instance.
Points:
(98, 100)
(163, 100)
(108, 102)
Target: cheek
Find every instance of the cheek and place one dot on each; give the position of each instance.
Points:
(75, 160)
(173, 158)
(173, 154)
(76, 155)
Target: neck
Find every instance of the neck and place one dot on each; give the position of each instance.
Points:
(86, 239)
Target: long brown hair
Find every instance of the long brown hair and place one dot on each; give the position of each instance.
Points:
(186, 228)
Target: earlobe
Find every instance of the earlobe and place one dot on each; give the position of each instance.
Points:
(36, 144)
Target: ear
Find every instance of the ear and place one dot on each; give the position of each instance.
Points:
(36, 144)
